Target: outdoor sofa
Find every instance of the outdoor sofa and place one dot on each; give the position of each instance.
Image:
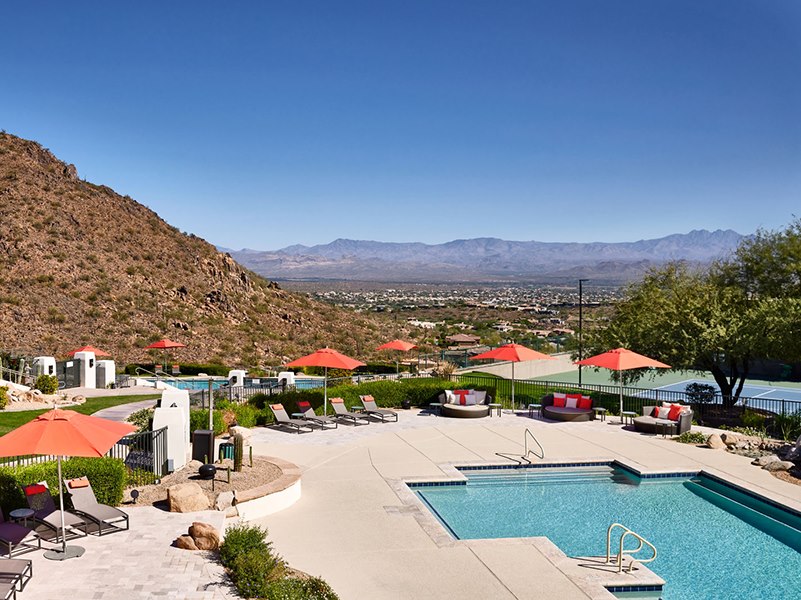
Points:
(678, 422)
(567, 407)
(465, 404)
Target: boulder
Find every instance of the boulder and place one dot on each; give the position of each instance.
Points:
(225, 500)
(763, 461)
(206, 537)
(779, 465)
(714, 442)
(186, 497)
(243, 431)
(730, 439)
(185, 542)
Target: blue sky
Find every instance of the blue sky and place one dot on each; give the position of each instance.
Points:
(265, 124)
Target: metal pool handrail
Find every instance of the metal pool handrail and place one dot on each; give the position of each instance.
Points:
(520, 460)
(627, 532)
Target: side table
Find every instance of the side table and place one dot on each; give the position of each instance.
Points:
(435, 408)
(627, 414)
(532, 408)
(496, 407)
(600, 412)
(21, 514)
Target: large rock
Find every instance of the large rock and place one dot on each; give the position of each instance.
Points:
(779, 465)
(225, 500)
(714, 442)
(764, 461)
(243, 431)
(730, 439)
(186, 497)
(185, 542)
(206, 536)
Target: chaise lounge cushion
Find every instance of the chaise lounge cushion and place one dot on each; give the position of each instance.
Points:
(650, 424)
(564, 413)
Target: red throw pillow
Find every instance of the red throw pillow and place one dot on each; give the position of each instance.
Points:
(462, 396)
(559, 402)
(585, 402)
(34, 489)
(675, 411)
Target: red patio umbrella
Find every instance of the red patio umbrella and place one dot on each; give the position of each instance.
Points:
(327, 358)
(98, 352)
(164, 344)
(64, 433)
(621, 359)
(399, 345)
(513, 353)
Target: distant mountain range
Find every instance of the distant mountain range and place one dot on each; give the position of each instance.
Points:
(485, 259)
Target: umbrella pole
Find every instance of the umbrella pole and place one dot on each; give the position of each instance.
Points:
(513, 387)
(621, 402)
(72, 551)
(325, 392)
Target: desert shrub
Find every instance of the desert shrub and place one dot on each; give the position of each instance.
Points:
(752, 419)
(47, 384)
(240, 539)
(788, 425)
(107, 475)
(142, 419)
(691, 437)
(3, 397)
(254, 571)
(291, 588)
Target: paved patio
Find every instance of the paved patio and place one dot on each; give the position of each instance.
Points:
(357, 527)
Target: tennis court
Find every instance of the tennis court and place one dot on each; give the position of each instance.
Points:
(749, 390)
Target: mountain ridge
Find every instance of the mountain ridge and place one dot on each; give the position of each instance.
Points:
(487, 258)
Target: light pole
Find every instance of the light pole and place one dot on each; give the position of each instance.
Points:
(581, 325)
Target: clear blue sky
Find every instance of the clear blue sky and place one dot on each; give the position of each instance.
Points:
(264, 124)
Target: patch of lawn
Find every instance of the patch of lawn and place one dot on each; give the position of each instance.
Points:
(11, 420)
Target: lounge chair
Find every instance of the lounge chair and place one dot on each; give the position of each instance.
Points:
(45, 513)
(14, 536)
(308, 415)
(343, 414)
(8, 591)
(282, 419)
(16, 573)
(371, 408)
(104, 518)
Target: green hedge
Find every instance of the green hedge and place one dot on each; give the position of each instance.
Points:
(199, 419)
(108, 477)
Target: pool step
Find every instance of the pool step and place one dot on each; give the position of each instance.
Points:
(546, 476)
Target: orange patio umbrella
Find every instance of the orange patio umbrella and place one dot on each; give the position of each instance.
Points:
(64, 433)
(327, 358)
(621, 359)
(98, 352)
(164, 344)
(399, 345)
(513, 353)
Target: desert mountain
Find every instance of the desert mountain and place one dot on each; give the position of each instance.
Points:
(80, 264)
(486, 259)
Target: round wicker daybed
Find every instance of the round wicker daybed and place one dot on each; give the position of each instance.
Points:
(558, 413)
(474, 411)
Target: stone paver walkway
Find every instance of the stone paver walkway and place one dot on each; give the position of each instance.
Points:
(138, 564)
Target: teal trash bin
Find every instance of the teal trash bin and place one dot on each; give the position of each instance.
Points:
(226, 451)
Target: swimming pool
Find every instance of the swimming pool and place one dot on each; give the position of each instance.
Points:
(266, 382)
(714, 541)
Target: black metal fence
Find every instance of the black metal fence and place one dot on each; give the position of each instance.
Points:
(144, 453)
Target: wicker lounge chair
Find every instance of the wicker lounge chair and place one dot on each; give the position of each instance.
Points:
(308, 415)
(104, 519)
(14, 536)
(48, 517)
(344, 415)
(14, 572)
(282, 420)
(371, 409)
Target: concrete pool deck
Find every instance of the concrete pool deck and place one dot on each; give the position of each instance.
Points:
(357, 527)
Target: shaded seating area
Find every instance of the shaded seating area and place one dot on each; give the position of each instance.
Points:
(567, 407)
(17, 538)
(668, 419)
(48, 518)
(465, 404)
(101, 517)
(371, 409)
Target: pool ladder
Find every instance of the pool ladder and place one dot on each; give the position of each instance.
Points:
(624, 534)
(526, 437)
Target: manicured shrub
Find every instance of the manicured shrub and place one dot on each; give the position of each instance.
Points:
(199, 419)
(259, 400)
(254, 571)
(691, 437)
(240, 539)
(47, 384)
(107, 475)
(3, 397)
(142, 419)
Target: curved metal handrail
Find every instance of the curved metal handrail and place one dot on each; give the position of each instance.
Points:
(641, 541)
(528, 435)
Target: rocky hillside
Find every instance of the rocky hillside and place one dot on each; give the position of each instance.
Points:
(80, 264)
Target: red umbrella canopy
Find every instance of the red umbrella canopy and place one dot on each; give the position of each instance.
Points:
(513, 353)
(397, 345)
(98, 352)
(64, 433)
(326, 357)
(165, 344)
(621, 359)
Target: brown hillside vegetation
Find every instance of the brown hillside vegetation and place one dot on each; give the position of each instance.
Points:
(80, 264)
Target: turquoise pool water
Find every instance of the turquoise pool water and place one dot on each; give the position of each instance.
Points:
(203, 384)
(713, 541)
